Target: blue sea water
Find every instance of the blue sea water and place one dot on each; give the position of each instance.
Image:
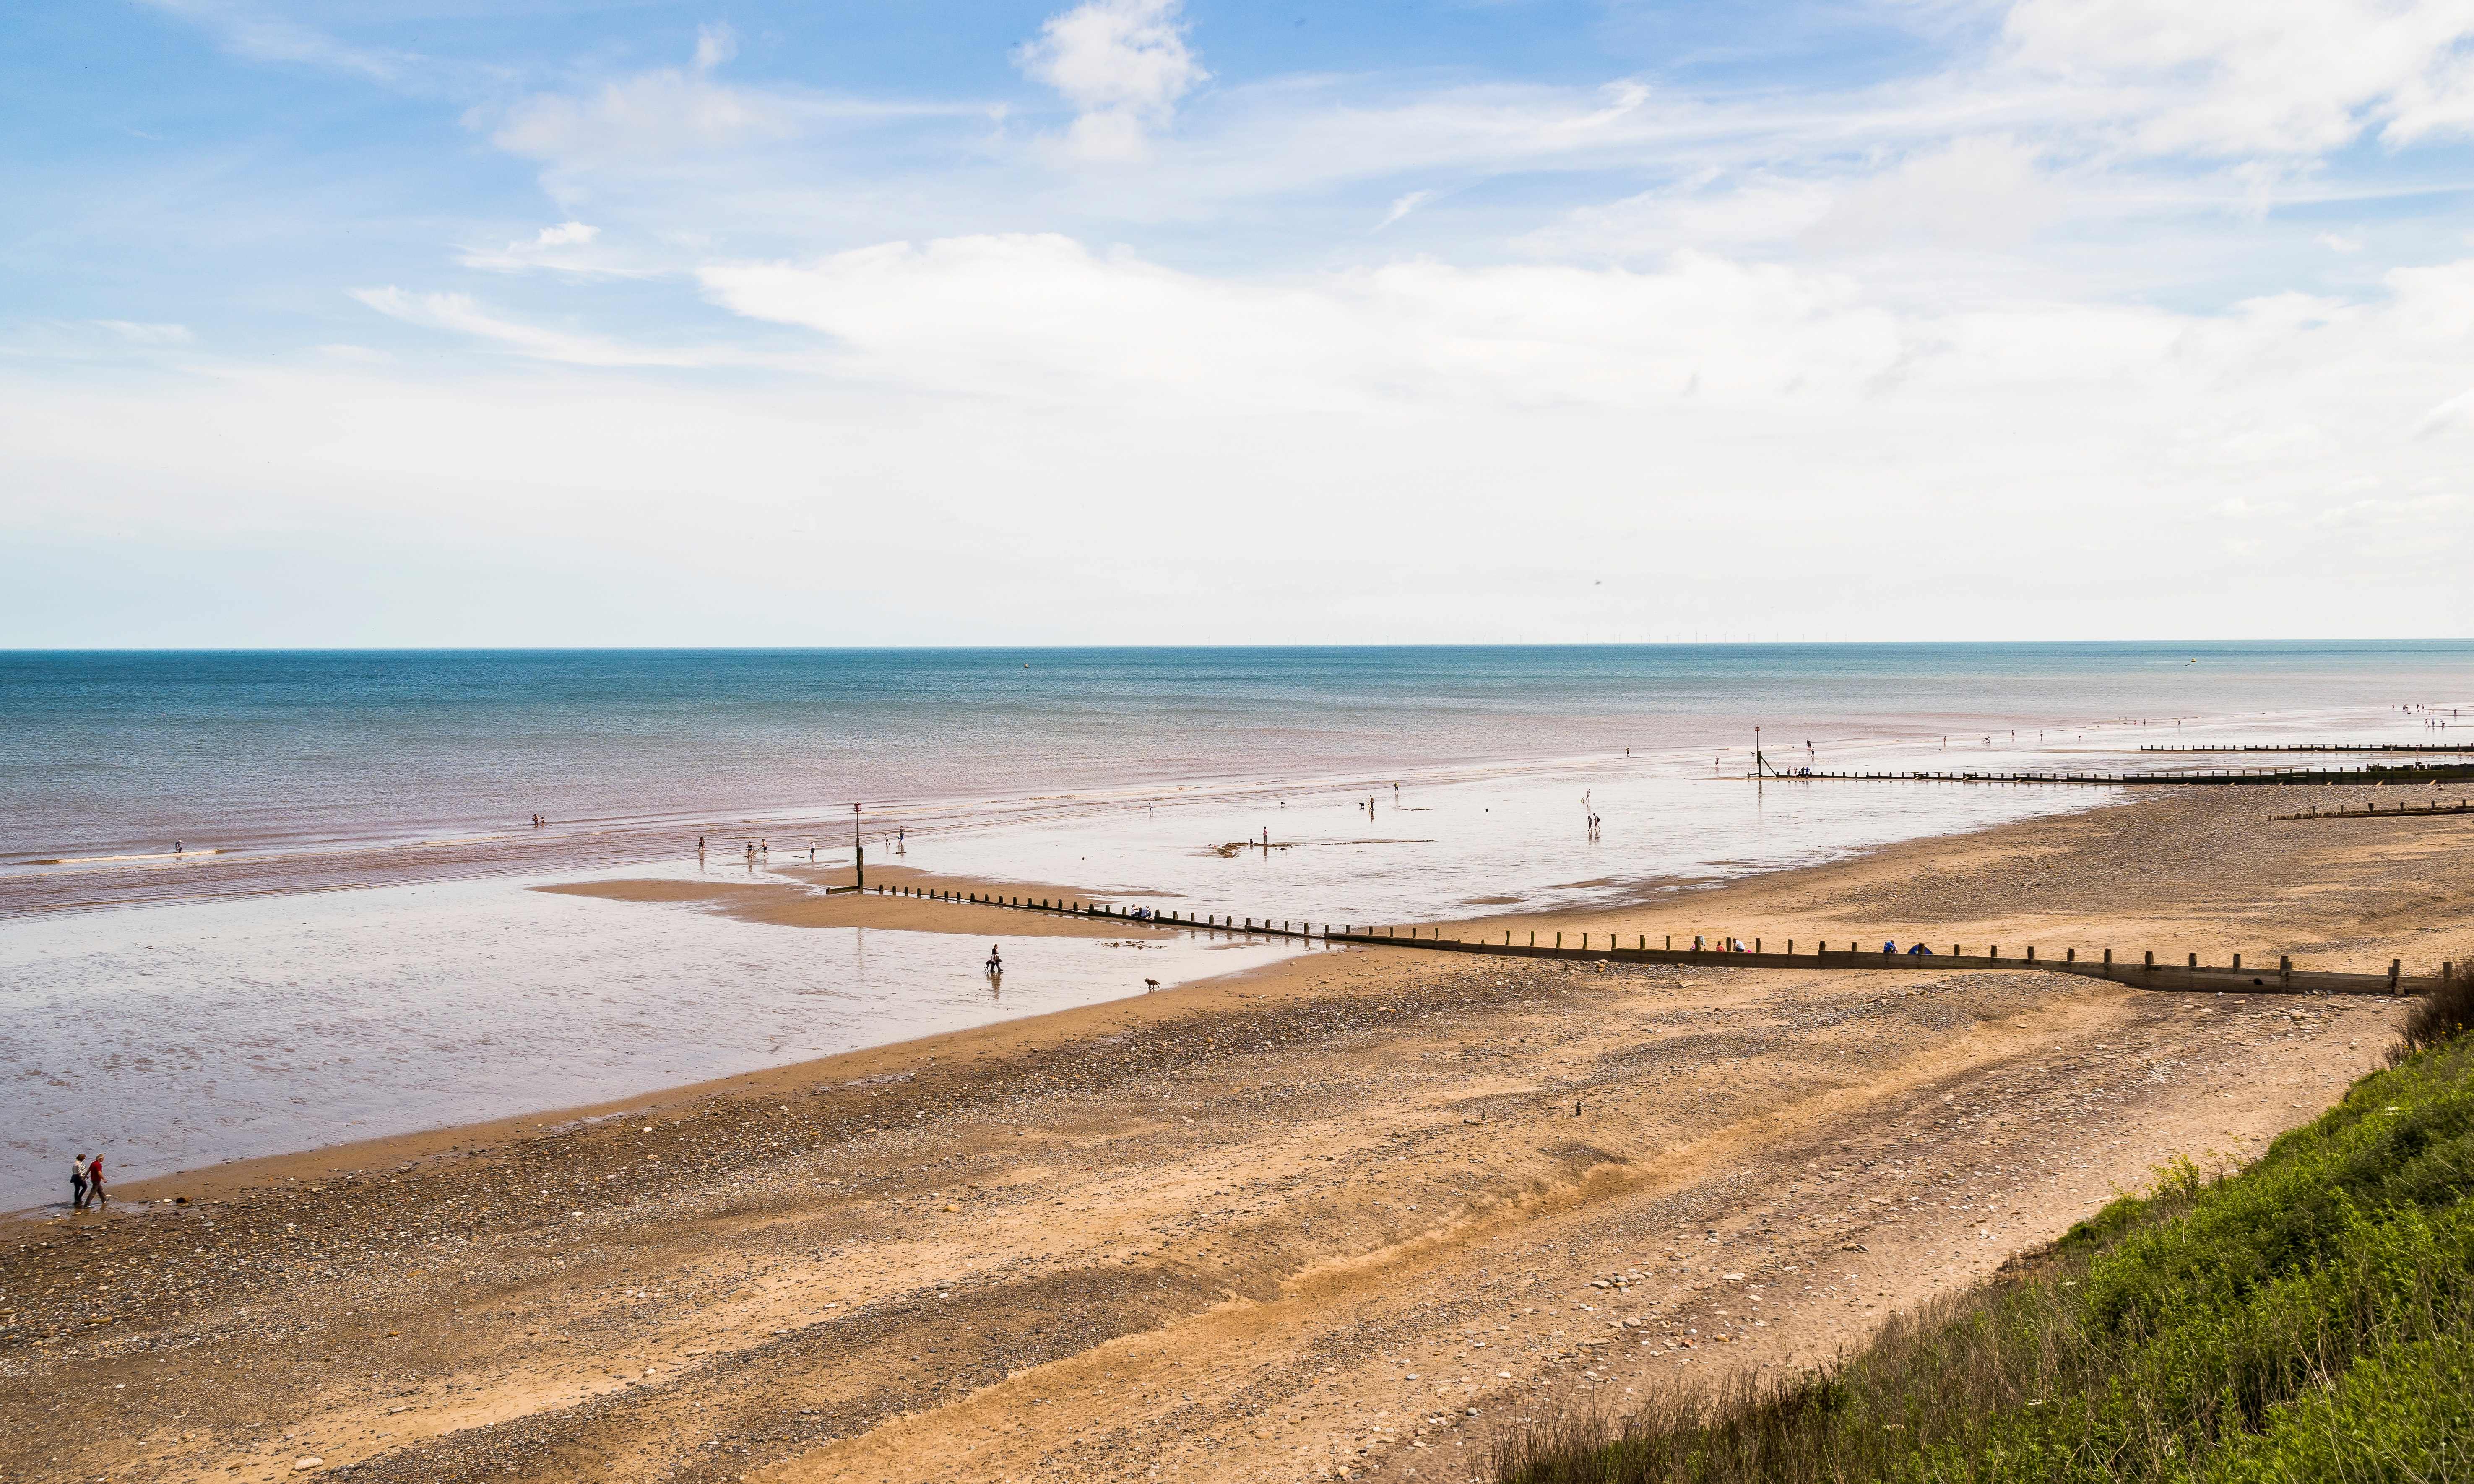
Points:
(118, 753)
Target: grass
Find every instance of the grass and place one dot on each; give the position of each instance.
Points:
(2309, 1318)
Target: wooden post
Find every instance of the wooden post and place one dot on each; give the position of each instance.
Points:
(2070, 955)
(2238, 964)
(1670, 942)
(2031, 953)
(2394, 966)
(1533, 938)
(1558, 939)
(2195, 961)
(2151, 961)
(1993, 953)
(2285, 972)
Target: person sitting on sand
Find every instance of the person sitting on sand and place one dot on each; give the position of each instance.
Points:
(1696, 942)
(1918, 951)
(1888, 946)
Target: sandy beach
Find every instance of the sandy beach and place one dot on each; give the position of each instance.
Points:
(1336, 1217)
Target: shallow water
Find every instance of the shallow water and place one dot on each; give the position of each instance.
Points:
(178, 1037)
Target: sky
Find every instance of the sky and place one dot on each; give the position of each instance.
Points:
(557, 322)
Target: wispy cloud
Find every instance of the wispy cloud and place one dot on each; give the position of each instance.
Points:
(259, 33)
(137, 333)
(2264, 78)
(458, 314)
(1402, 206)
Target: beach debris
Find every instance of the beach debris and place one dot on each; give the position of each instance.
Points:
(304, 1465)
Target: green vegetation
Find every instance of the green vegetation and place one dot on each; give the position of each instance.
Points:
(2309, 1318)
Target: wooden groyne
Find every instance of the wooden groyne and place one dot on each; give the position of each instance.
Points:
(2303, 777)
(2306, 746)
(2146, 973)
(2375, 811)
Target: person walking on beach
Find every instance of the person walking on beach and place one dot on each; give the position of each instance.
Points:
(77, 1183)
(94, 1192)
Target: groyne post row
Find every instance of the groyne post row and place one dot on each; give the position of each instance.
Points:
(2307, 747)
(2148, 973)
(2374, 811)
(2369, 772)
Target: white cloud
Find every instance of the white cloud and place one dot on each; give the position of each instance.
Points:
(1404, 206)
(2435, 302)
(1043, 316)
(2379, 513)
(458, 314)
(250, 31)
(2455, 415)
(138, 333)
(2256, 77)
(569, 248)
(715, 45)
(652, 115)
(1122, 63)
(1971, 192)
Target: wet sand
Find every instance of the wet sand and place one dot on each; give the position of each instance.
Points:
(1335, 1216)
(795, 906)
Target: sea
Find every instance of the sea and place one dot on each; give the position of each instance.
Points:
(260, 902)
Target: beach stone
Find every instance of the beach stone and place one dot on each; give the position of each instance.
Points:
(304, 1465)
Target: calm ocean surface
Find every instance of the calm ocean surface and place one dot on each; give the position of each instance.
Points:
(116, 753)
(175, 1011)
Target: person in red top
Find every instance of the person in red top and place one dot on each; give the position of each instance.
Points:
(94, 1183)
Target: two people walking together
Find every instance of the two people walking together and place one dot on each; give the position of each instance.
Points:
(85, 1183)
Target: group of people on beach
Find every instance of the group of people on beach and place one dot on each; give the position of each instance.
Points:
(85, 1183)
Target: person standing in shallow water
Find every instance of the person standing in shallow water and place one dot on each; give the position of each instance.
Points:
(77, 1183)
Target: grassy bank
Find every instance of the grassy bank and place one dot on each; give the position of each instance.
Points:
(2310, 1316)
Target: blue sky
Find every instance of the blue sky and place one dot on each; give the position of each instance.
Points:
(1132, 320)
